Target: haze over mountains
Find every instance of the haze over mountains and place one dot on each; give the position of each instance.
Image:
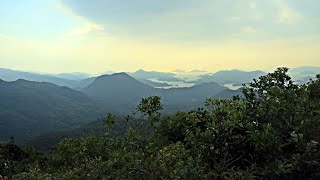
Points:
(122, 90)
(33, 104)
(73, 76)
(231, 77)
(12, 75)
(157, 79)
(303, 74)
(161, 76)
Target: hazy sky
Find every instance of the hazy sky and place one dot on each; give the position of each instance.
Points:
(125, 35)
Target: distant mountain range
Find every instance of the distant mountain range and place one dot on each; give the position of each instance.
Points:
(235, 76)
(305, 71)
(159, 79)
(13, 75)
(73, 76)
(161, 76)
(29, 108)
(303, 74)
(81, 80)
(122, 90)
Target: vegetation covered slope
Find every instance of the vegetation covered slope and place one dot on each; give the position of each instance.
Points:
(118, 92)
(272, 132)
(31, 108)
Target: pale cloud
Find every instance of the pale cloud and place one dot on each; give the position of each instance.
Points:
(86, 29)
(191, 20)
(287, 15)
(210, 35)
(256, 13)
(249, 29)
(252, 13)
(252, 4)
(235, 18)
(66, 10)
(256, 17)
(4, 37)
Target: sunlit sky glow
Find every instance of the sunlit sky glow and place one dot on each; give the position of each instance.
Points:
(95, 36)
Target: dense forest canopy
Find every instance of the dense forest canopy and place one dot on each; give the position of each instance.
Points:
(272, 130)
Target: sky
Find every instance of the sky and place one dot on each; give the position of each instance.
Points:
(95, 36)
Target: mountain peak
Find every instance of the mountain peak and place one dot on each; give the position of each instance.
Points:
(116, 79)
(120, 74)
(140, 70)
(115, 75)
(22, 80)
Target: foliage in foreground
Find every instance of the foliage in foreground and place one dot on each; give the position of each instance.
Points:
(271, 131)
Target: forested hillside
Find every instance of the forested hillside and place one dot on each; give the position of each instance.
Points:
(271, 131)
(29, 109)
